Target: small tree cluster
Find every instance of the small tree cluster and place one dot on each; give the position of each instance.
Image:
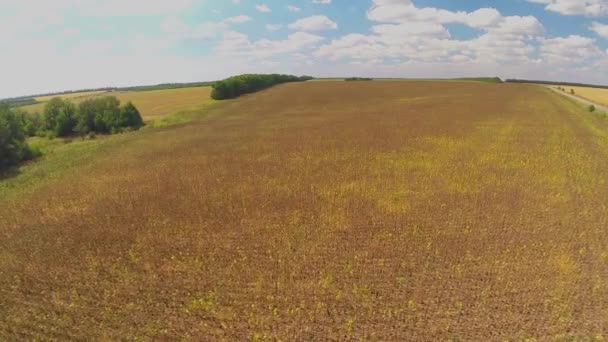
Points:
(244, 84)
(13, 148)
(99, 115)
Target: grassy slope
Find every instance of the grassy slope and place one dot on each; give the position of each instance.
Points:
(64, 157)
(343, 210)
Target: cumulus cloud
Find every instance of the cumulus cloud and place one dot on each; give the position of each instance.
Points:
(238, 44)
(314, 23)
(576, 7)
(404, 31)
(263, 8)
(574, 49)
(600, 29)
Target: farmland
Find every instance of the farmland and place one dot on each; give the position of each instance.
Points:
(381, 210)
(153, 104)
(597, 95)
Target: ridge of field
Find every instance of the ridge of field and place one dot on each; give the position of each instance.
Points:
(325, 211)
(152, 104)
(597, 95)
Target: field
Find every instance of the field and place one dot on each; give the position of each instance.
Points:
(152, 104)
(70, 96)
(321, 211)
(597, 95)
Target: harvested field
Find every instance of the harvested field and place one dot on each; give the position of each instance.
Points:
(325, 210)
(597, 95)
(70, 96)
(152, 104)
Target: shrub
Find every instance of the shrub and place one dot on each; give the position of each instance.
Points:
(236, 86)
(13, 148)
(572, 91)
(592, 108)
(99, 115)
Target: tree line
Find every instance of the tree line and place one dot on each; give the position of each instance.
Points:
(97, 115)
(355, 79)
(62, 118)
(571, 84)
(236, 86)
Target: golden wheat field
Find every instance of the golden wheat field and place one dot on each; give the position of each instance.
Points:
(70, 96)
(152, 104)
(597, 95)
(367, 211)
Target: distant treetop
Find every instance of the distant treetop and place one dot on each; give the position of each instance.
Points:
(236, 86)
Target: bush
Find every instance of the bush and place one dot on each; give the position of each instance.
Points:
(592, 108)
(236, 86)
(572, 91)
(99, 115)
(13, 148)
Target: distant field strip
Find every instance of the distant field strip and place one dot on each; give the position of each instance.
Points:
(152, 103)
(597, 95)
(323, 211)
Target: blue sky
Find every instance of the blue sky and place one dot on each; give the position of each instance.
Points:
(73, 44)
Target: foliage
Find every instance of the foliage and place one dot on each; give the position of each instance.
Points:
(592, 108)
(13, 147)
(99, 115)
(350, 79)
(236, 86)
(557, 83)
(20, 101)
(482, 79)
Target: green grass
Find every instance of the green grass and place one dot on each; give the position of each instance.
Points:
(62, 155)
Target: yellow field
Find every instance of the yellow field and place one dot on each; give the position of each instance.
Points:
(71, 96)
(152, 104)
(597, 95)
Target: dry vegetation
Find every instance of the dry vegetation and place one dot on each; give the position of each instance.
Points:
(152, 104)
(70, 96)
(597, 95)
(325, 210)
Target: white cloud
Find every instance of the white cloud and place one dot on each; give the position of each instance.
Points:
(178, 30)
(574, 50)
(314, 23)
(273, 27)
(238, 19)
(292, 8)
(238, 44)
(600, 29)
(576, 7)
(324, 2)
(263, 8)
(406, 32)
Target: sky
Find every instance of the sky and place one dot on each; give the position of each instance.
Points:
(74, 44)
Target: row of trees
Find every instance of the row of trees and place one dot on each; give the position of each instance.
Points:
(99, 115)
(355, 79)
(13, 147)
(244, 84)
(61, 118)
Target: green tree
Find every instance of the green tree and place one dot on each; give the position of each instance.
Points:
(60, 117)
(13, 147)
(130, 116)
